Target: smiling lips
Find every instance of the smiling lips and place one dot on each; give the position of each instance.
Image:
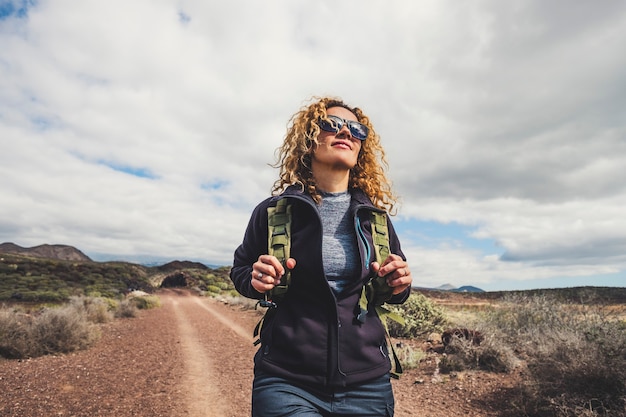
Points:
(342, 144)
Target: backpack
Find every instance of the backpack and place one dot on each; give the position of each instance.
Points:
(374, 294)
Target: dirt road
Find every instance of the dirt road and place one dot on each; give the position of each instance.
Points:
(193, 357)
(210, 367)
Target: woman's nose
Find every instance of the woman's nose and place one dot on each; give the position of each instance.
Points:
(344, 132)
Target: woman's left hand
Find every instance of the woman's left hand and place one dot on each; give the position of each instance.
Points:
(397, 271)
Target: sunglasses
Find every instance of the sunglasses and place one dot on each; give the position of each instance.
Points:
(335, 124)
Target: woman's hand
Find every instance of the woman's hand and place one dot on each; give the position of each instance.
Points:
(267, 272)
(397, 272)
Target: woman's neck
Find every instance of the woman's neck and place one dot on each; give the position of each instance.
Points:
(335, 182)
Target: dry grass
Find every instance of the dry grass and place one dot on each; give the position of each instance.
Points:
(57, 329)
(52, 330)
(574, 353)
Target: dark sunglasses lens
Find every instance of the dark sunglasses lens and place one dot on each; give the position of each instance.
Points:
(328, 127)
(335, 124)
(358, 130)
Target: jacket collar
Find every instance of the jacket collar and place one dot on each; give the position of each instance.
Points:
(358, 196)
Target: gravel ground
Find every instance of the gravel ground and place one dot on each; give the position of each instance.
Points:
(193, 357)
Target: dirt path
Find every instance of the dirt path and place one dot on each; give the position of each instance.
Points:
(205, 396)
(193, 357)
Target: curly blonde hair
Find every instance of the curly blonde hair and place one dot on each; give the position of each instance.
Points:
(294, 156)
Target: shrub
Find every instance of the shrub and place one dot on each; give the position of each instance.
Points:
(490, 355)
(224, 286)
(146, 302)
(576, 356)
(409, 356)
(95, 310)
(62, 330)
(421, 316)
(214, 289)
(451, 363)
(126, 309)
(52, 330)
(232, 293)
(197, 291)
(15, 340)
(577, 372)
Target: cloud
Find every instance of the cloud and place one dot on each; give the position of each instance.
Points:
(150, 128)
(458, 266)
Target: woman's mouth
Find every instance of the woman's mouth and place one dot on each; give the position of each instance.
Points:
(342, 144)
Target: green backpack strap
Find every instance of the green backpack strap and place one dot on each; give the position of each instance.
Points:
(376, 292)
(380, 235)
(278, 245)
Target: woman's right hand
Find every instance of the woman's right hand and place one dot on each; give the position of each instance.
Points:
(267, 272)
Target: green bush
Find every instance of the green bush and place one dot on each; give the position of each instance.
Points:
(421, 316)
(42, 296)
(232, 293)
(146, 302)
(214, 289)
(223, 286)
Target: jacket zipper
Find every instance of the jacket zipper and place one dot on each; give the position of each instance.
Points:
(365, 260)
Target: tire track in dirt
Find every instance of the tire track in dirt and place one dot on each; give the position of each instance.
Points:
(203, 388)
(244, 333)
(202, 394)
(200, 381)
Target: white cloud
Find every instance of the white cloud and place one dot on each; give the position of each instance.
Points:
(503, 116)
(436, 266)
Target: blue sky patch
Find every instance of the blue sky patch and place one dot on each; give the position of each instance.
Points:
(183, 17)
(17, 9)
(216, 184)
(134, 171)
(432, 234)
(42, 123)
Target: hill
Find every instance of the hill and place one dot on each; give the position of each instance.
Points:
(39, 279)
(176, 265)
(573, 295)
(468, 288)
(62, 252)
(451, 288)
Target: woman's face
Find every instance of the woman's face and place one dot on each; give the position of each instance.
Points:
(337, 151)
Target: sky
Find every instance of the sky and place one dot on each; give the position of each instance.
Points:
(149, 128)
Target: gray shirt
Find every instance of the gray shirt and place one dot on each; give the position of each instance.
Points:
(339, 247)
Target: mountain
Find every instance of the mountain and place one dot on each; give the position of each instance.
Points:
(54, 273)
(468, 288)
(452, 288)
(445, 287)
(145, 260)
(176, 265)
(61, 252)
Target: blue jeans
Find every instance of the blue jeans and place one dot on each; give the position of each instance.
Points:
(277, 397)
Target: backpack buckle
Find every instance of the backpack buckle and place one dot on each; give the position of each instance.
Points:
(267, 303)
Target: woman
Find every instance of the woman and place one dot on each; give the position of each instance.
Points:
(316, 358)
